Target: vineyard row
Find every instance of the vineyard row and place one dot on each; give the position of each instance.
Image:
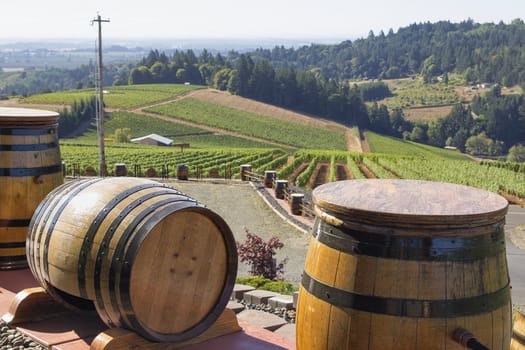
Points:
(301, 166)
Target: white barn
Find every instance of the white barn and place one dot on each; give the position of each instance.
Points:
(153, 139)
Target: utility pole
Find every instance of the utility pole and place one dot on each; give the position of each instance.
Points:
(103, 169)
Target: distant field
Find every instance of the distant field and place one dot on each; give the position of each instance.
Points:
(414, 93)
(390, 145)
(122, 97)
(426, 114)
(271, 129)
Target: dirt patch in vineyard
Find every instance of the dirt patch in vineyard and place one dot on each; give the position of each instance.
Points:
(368, 174)
(342, 172)
(353, 143)
(320, 175)
(427, 114)
(365, 146)
(513, 199)
(297, 171)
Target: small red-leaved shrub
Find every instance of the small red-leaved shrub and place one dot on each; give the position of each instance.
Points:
(259, 255)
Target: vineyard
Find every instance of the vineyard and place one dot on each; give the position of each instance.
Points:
(251, 124)
(120, 97)
(301, 168)
(223, 138)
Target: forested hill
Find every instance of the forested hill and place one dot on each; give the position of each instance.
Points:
(482, 52)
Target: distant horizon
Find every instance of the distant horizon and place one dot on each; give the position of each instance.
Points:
(309, 20)
(254, 40)
(169, 43)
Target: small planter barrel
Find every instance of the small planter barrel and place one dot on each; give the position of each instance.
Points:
(269, 178)
(280, 187)
(402, 264)
(296, 203)
(518, 334)
(30, 167)
(120, 169)
(148, 258)
(182, 172)
(245, 169)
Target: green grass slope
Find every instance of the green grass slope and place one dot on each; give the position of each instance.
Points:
(251, 124)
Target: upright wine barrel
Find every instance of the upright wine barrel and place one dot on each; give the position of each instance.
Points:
(402, 264)
(269, 178)
(120, 169)
(182, 172)
(148, 258)
(281, 186)
(30, 167)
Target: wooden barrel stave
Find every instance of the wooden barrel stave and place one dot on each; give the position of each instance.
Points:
(107, 258)
(411, 280)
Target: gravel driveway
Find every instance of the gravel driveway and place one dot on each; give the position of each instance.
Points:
(243, 208)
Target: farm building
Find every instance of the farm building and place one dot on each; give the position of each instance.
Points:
(153, 139)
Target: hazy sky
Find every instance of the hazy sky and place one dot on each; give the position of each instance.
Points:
(238, 18)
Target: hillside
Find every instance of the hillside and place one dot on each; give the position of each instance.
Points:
(237, 102)
(272, 125)
(305, 152)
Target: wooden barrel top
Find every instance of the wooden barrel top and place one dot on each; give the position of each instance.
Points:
(9, 115)
(399, 203)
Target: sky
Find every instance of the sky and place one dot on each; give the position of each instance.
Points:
(345, 19)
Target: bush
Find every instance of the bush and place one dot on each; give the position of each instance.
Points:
(263, 283)
(259, 254)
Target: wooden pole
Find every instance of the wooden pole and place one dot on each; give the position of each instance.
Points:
(103, 169)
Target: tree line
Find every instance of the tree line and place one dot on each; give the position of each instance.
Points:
(305, 91)
(81, 112)
(493, 125)
(480, 52)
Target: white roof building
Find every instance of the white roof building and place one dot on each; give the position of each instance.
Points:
(153, 139)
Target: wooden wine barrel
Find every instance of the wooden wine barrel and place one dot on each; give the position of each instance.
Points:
(269, 178)
(280, 187)
(148, 257)
(402, 264)
(30, 167)
(296, 203)
(120, 169)
(518, 335)
(182, 172)
(245, 170)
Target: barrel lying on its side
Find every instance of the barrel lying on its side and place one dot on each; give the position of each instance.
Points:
(30, 167)
(150, 258)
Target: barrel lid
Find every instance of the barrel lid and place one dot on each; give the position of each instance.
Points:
(401, 203)
(10, 114)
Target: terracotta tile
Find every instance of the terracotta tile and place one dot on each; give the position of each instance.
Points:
(252, 338)
(6, 297)
(63, 329)
(16, 280)
(82, 344)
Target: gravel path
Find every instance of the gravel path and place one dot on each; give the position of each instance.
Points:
(243, 208)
